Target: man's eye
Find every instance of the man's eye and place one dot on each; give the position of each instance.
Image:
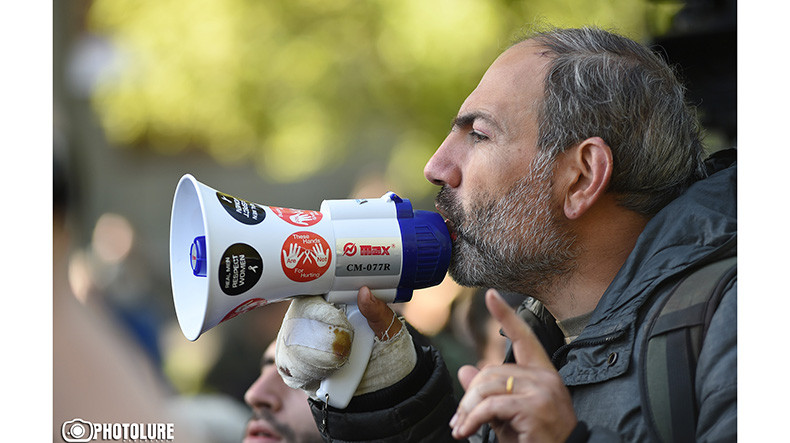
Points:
(478, 136)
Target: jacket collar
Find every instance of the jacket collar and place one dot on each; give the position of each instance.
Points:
(698, 227)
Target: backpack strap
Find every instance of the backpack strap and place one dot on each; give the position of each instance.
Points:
(675, 338)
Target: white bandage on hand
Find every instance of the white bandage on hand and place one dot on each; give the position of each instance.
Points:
(314, 341)
(390, 361)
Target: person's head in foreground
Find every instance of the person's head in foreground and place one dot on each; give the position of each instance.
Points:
(279, 413)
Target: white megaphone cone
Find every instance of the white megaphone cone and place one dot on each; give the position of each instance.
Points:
(228, 256)
(219, 252)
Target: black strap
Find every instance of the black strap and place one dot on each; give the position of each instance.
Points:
(674, 342)
(681, 367)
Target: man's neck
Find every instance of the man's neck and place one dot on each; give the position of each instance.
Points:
(605, 240)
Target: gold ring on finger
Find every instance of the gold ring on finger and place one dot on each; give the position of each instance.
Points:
(509, 385)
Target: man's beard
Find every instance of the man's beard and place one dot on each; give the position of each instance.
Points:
(286, 432)
(514, 242)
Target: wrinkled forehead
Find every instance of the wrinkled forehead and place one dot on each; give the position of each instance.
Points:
(514, 78)
(511, 90)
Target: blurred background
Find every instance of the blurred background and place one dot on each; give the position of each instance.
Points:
(283, 103)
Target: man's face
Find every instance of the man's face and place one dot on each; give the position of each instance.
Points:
(496, 189)
(280, 413)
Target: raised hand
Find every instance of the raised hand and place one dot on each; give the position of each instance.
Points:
(294, 255)
(301, 218)
(321, 256)
(525, 401)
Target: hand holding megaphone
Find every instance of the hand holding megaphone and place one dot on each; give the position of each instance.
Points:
(229, 255)
(313, 343)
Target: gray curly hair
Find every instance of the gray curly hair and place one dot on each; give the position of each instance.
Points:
(602, 84)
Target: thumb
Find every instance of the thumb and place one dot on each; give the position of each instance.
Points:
(526, 346)
(380, 317)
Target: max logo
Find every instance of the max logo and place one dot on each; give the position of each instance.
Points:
(350, 249)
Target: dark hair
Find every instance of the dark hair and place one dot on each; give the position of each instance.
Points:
(602, 84)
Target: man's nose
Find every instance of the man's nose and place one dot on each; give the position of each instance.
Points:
(443, 167)
(264, 392)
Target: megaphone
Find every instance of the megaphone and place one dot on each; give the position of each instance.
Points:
(229, 256)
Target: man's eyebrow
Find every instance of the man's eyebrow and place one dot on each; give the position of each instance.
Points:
(267, 360)
(467, 119)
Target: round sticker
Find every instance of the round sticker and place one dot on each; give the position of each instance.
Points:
(305, 256)
(240, 268)
(246, 212)
(247, 306)
(298, 217)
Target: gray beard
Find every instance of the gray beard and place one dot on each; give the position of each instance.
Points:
(286, 431)
(512, 243)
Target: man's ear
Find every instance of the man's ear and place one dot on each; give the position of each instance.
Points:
(588, 169)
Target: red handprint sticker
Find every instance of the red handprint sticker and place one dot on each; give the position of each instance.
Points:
(298, 217)
(305, 256)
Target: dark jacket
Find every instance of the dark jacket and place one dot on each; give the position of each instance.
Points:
(601, 367)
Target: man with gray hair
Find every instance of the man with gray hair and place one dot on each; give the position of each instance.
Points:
(572, 174)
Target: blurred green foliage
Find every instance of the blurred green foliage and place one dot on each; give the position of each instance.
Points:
(294, 86)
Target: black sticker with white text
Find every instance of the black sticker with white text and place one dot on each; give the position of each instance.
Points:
(246, 212)
(240, 268)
